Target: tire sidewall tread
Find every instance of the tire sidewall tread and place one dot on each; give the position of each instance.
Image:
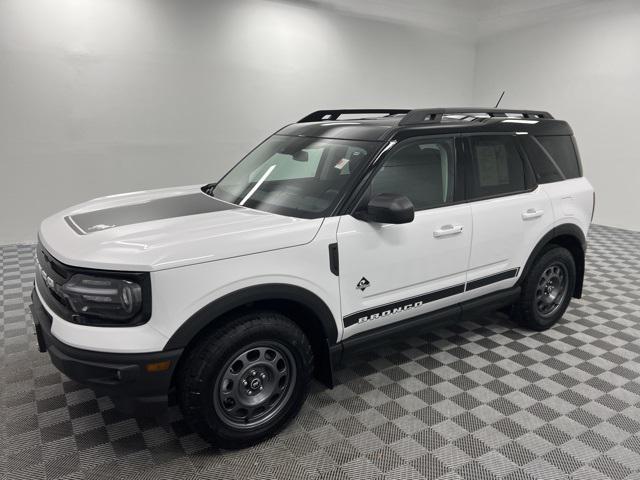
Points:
(524, 310)
(199, 372)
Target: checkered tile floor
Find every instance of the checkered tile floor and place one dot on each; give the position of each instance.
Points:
(482, 400)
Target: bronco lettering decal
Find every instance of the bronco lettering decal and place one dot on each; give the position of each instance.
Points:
(383, 311)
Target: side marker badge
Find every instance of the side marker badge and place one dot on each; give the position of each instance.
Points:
(362, 284)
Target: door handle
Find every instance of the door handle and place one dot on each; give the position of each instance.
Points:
(448, 230)
(532, 213)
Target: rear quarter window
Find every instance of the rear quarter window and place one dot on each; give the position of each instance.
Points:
(562, 150)
(545, 168)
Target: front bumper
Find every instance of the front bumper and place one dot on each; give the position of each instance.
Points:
(124, 377)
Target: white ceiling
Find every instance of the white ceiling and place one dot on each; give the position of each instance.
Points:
(468, 18)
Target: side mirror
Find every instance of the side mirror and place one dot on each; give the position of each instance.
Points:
(387, 208)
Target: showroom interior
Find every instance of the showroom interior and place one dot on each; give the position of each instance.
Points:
(104, 97)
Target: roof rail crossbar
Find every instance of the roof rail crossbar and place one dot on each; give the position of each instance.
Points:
(434, 115)
(321, 115)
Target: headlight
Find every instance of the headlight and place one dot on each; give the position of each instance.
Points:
(109, 298)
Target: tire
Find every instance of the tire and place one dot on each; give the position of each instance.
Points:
(547, 289)
(244, 381)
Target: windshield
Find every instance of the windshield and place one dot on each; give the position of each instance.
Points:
(295, 176)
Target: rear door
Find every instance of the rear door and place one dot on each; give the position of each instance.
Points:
(389, 273)
(510, 212)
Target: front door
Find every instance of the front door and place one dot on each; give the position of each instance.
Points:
(389, 273)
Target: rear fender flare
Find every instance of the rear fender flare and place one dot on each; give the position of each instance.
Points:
(563, 231)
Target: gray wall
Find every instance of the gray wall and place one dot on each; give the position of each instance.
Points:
(585, 70)
(101, 97)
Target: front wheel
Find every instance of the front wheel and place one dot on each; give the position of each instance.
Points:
(243, 382)
(547, 289)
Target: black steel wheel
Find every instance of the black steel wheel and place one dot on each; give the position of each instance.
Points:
(245, 380)
(551, 289)
(255, 384)
(547, 289)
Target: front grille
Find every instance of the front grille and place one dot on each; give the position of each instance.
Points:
(51, 276)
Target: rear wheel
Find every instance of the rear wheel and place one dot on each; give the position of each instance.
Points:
(547, 289)
(243, 382)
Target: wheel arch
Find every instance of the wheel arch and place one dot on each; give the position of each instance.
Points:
(569, 236)
(303, 307)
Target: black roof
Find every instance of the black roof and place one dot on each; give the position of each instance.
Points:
(403, 123)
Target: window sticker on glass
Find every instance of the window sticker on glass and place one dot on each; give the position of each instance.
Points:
(492, 165)
(343, 162)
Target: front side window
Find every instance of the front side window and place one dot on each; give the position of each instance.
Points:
(296, 176)
(422, 170)
(496, 167)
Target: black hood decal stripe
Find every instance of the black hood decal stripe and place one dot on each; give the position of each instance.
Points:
(158, 209)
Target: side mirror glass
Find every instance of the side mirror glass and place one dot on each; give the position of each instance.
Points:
(387, 208)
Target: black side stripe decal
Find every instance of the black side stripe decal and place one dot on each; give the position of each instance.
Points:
(382, 311)
(403, 305)
(481, 282)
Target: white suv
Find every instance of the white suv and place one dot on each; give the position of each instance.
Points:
(332, 234)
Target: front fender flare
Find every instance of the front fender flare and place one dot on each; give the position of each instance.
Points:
(273, 291)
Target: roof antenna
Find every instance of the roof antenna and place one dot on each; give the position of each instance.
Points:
(499, 100)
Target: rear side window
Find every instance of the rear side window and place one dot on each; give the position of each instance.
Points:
(561, 149)
(496, 167)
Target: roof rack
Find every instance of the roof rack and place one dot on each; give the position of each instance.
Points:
(320, 115)
(434, 115)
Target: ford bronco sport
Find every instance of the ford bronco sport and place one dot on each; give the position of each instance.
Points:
(337, 231)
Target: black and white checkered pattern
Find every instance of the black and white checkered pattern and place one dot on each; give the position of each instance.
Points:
(480, 400)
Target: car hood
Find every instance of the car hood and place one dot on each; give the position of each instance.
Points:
(167, 228)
